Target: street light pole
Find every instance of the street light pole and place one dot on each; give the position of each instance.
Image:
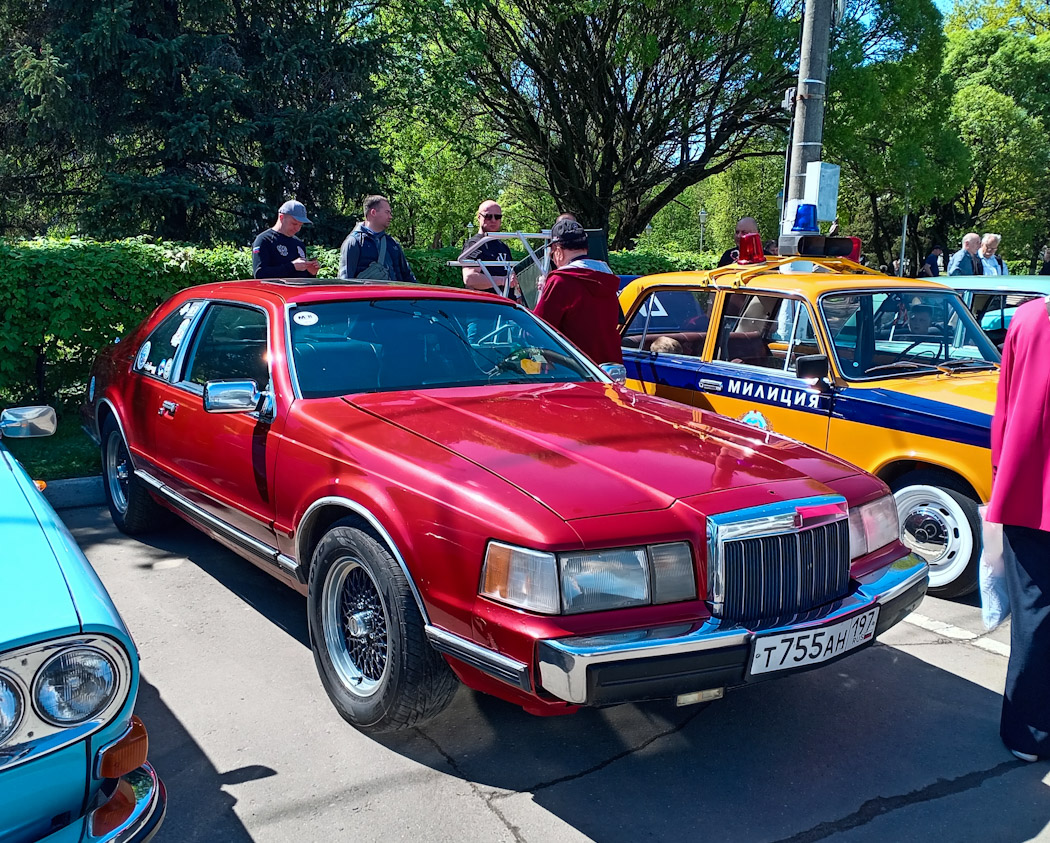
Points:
(703, 221)
(808, 134)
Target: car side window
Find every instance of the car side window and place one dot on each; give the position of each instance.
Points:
(156, 356)
(230, 345)
(768, 331)
(671, 322)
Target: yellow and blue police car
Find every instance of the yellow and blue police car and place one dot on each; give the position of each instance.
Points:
(891, 374)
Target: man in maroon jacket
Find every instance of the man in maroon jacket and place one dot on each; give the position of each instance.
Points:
(580, 295)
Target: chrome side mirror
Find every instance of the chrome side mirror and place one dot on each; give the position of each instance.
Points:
(232, 397)
(27, 422)
(616, 371)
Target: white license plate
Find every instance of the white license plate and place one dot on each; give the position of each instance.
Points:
(790, 650)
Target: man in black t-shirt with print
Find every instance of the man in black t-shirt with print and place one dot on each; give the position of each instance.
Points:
(490, 220)
(277, 252)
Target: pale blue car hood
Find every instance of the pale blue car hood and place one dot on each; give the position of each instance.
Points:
(49, 589)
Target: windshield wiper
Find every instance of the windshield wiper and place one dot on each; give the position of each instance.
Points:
(901, 364)
(950, 366)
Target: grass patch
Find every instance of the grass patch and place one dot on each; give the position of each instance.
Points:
(69, 453)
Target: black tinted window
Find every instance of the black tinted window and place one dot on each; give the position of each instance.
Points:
(231, 345)
(340, 348)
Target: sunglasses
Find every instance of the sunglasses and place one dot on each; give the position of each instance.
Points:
(491, 216)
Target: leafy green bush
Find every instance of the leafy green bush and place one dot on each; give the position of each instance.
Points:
(65, 299)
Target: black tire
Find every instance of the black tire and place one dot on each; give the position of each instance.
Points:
(131, 506)
(948, 505)
(367, 635)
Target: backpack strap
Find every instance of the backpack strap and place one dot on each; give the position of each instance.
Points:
(381, 260)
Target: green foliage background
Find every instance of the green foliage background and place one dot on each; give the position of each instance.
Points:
(65, 299)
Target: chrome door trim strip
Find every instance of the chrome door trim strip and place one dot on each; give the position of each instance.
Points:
(259, 549)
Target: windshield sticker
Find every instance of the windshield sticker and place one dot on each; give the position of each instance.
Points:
(305, 318)
(190, 308)
(180, 334)
(140, 361)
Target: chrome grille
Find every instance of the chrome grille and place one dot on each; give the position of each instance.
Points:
(765, 567)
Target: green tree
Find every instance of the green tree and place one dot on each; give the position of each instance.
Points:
(190, 119)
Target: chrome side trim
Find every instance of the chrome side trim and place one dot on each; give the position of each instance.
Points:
(494, 664)
(302, 528)
(563, 662)
(259, 549)
(756, 522)
(94, 437)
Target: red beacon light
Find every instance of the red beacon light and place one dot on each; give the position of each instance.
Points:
(751, 249)
(854, 253)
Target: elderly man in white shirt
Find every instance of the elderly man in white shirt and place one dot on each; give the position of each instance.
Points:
(993, 264)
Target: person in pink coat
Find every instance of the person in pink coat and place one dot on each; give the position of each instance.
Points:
(1021, 503)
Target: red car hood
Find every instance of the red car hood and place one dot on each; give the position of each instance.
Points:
(592, 449)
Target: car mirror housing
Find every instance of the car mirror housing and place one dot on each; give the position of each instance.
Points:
(232, 397)
(812, 367)
(27, 422)
(616, 371)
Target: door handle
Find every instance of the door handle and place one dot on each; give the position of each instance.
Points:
(168, 407)
(709, 385)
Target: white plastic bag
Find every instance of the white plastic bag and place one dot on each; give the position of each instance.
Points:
(995, 601)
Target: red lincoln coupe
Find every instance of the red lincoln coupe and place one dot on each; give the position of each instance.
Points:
(461, 494)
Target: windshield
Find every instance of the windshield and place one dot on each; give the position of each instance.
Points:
(885, 333)
(339, 348)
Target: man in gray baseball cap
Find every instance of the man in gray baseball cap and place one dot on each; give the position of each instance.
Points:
(277, 252)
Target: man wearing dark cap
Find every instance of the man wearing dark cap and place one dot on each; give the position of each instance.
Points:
(932, 264)
(277, 252)
(580, 295)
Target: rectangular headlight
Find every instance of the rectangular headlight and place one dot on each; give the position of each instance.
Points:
(521, 577)
(674, 576)
(872, 526)
(604, 579)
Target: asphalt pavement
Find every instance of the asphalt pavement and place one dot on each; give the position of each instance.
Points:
(896, 743)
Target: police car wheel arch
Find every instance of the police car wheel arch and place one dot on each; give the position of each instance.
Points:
(942, 526)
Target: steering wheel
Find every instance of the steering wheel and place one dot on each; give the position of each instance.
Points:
(940, 342)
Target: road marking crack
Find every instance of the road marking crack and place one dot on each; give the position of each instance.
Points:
(601, 765)
(486, 798)
(882, 805)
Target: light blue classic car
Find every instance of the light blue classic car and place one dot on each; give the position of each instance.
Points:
(72, 755)
(994, 299)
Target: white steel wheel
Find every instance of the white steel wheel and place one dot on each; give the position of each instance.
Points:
(938, 526)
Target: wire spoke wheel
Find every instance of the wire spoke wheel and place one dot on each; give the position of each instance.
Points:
(355, 624)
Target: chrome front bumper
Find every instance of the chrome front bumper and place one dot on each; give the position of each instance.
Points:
(663, 662)
(142, 791)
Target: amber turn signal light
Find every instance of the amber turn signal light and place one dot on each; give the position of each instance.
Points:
(127, 754)
(40, 484)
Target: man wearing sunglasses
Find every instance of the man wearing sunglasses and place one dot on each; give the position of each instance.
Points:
(490, 220)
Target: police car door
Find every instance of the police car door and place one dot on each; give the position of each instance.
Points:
(749, 373)
(663, 343)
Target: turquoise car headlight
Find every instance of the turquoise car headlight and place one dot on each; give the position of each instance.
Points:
(10, 707)
(75, 686)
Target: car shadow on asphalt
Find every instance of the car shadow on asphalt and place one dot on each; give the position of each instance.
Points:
(272, 599)
(880, 745)
(200, 808)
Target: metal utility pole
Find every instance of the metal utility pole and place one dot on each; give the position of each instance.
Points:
(807, 138)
